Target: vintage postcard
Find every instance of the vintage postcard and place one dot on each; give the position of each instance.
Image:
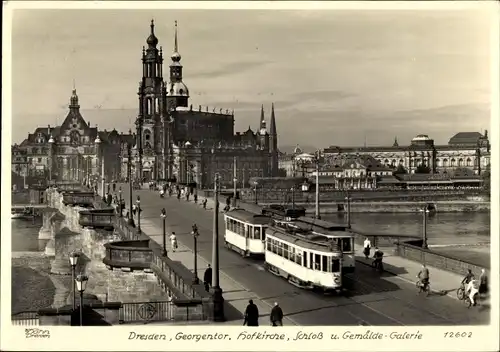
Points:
(247, 176)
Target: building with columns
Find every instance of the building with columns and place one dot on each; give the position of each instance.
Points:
(464, 151)
(69, 152)
(189, 145)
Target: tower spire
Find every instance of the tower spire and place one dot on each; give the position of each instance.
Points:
(176, 46)
(272, 128)
(262, 118)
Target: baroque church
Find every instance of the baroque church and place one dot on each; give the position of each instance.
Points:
(176, 141)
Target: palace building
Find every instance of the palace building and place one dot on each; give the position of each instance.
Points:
(69, 152)
(176, 141)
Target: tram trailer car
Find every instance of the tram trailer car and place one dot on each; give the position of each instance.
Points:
(304, 258)
(335, 231)
(245, 232)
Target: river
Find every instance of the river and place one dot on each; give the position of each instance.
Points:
(442, 228)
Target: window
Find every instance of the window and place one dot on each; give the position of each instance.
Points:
(324, 262)
(298, 257)
(286, 252)
(256, 233)
(269, 246)
(346, 245)
(335, 265)
(311, 260)
(39, 160)
(317, 262)
(305, 259)
(469, 162)
(263, 233)
(280, 249)
(275, 246)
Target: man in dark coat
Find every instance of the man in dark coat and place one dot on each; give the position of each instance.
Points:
(276, 315)
(251, 314)
(207, 278)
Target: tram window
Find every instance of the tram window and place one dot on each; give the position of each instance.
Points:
(285, 251)
(324, 262)
(292, 254)
(335, 265)
(305, 259)
(317, 261)
(256, 233)
(311, 260)
(269, 245)
(263, 233)
(280, 249)
(275, 247)
(346, 245)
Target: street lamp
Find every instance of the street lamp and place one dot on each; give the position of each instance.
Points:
(217, 299)
(255, 189)
(348, 200)
(317, 160)
(81, 285)
(163, 215)
(425, 211)
(195, 234)
(129, 176)
(120, 205)
(138, 202)
(73, 260)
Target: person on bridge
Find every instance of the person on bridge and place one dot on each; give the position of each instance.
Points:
(207, 277)
(276, 315)
(195, 198)
(204, 203)
(173, 241)
(114, 186)
(251, 314)
(423, 275)
(468, 277)
(378, 255)
(366, 247)
(473, 290)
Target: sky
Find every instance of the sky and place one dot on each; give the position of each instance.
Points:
(336, 77)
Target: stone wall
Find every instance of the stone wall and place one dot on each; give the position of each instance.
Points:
(68, 236)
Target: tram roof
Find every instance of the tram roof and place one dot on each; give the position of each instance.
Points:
(303, 240)
(326, 225)
(248, 217)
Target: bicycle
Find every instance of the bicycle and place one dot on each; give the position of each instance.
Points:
(421, 289)
(468, 302)
(461, 293)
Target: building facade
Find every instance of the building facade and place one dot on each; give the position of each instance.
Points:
(465, 150)
(190, 145)
(73, 151)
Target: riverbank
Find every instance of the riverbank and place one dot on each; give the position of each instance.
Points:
(33, 287)
(400, 207)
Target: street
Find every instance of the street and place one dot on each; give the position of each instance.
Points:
(371, 299)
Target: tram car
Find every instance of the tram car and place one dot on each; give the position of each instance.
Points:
(304, 258)
(337, 232)
(280, 212)
(245, 232)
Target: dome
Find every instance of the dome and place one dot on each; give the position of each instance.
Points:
(176, 57)
(421, 137)
(177, 89)
(152, 40)
(297, 150)
(51, 139)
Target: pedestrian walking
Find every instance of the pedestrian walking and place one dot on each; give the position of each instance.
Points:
(134, 209)
(276, 315)
(173, 241)
(114, 187)
(204, 203)
(195, 198)
(109, 199)
(251, 315)
(483, 282)
(366, 248)
(207, 277)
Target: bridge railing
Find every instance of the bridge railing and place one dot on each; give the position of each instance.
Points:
(27, 318)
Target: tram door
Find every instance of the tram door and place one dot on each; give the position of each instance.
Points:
(248, 233)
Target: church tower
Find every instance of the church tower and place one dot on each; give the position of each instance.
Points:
(273, 144)
(150, 103)
(262, 131)
(177, 92)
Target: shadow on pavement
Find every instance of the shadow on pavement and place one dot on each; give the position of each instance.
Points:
(231, 313)
(388, 268)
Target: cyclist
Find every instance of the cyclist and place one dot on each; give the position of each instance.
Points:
(473, 289)
(378, 255)
(468, 277)
(423, 275)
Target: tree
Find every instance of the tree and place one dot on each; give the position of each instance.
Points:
(422, 169)
(400, 170)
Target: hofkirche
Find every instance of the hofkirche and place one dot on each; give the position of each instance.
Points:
(172, 139)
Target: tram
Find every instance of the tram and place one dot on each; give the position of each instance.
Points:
(245, 232)
(306, 259)
(336, 232)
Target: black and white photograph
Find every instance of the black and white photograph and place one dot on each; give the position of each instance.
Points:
(302, 174)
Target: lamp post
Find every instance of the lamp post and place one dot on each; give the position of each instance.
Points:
(293, 197)
(195, 234)
(129, 176)
(164, 218)
(217, 299)
(138, 202)
(425, 211)
(317, 160)
(120, 205)
(235, 181)
(73, 260)
(255, 189)
(348, 200)
(81, 285)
